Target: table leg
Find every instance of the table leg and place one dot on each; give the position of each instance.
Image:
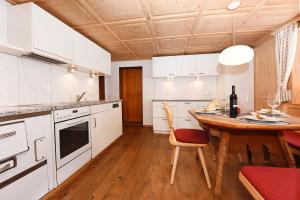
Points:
(223, 150)
(287, 152)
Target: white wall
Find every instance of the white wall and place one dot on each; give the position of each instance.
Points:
(208, 87)
(243, 79)
(112, 85)
(25, 81)
(185, 88)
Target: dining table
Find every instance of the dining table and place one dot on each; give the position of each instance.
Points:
(238, 133)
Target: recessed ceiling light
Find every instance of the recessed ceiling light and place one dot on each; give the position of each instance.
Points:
(234, 5)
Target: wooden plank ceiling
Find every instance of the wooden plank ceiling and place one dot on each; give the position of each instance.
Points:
(140, 29)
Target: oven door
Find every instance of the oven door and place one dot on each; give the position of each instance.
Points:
(72, 138)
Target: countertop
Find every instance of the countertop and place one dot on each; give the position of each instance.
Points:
(24, 111)
(67, 105)
(181, 99)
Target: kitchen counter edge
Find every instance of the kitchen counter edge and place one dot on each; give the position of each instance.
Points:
(10, 113)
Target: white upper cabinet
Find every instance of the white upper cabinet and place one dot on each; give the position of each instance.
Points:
(84, 52)
(208, 64)
(36, 31)
(89, 55)
(186, 65)
(164, 66)
(105, 58)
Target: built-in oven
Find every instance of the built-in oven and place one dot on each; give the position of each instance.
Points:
(72, 135)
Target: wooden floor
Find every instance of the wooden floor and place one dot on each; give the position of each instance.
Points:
(137, 166)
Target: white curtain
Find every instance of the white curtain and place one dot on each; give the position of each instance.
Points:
(285, 50)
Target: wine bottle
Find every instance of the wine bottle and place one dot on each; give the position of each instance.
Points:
(233, 104)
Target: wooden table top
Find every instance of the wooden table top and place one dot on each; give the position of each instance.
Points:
(219, 121)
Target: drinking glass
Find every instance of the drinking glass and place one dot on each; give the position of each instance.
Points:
(243, 101)
(226, 103)
(273, 102)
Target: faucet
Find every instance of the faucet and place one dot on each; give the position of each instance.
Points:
(80, 97)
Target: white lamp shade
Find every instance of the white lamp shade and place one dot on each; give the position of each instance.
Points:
(236, 55)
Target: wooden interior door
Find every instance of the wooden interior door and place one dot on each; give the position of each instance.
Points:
(131, 92)
(101, 88)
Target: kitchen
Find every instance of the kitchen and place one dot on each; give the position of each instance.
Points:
(99, 96)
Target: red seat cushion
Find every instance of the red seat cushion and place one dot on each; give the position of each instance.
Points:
(292, 138)
(194, 136)
(274, 183)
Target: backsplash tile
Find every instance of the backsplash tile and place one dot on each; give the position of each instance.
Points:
(26, 81)
(34, 82)
(8, 80)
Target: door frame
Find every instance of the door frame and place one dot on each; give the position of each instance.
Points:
(121, 88)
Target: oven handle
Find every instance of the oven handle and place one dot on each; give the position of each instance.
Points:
(79, 121)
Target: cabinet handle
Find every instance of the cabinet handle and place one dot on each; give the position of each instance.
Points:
(6, 135)
(95, 122)
(35, 149)
(188, 120)
(187, 103)
(164, 119)
(162, 108)
(5, 167)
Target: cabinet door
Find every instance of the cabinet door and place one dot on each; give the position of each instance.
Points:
(99, 132)
(105, 62)
(188, 122)
(114, 124)
(32, 186)
(160, 111)
(208, 64)
(186, 65)
(184, 107)
(160, 125)
(164, 66)
(51, 35)
(84, 53)
(106, 128)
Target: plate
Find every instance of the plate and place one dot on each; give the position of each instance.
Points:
(269, 112)
(202, 111)
(262, 119)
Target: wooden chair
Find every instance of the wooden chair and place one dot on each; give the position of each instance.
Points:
(293, 140)
(292, 137)
(271, 183)
(186, 138)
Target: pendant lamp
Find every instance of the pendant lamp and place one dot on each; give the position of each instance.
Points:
(236, 54)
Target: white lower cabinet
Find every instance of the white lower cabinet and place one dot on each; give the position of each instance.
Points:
(34, 167)
(160, 125)
(188, 123)
(181, 117)
(31, 187)
(106, 120)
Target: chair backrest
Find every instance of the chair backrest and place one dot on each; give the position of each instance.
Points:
(169, 115)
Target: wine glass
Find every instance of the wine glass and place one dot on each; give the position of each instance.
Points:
(273, 102)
